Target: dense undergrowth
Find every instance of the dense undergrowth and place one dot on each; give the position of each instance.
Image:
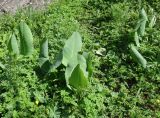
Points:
(120, 87)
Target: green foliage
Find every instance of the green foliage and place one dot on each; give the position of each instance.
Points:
(89, 63)
(43, 56)
(117, 86)
(44, 48)
(13, 45)
(26, 39)
(78, 79)
(72, 47)
(142, 23)
(2, 66)
(71, 59)
(76, 65)
(136, 39)
(138, 57)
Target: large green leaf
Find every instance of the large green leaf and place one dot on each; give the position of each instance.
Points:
(26, 39)
(78, 79)
(143, 14)
(138, 57)
(70, 67)
(79, 60)
(70, 53)
(44, 48)
(13, 45)
(140, 28)
(72, 47)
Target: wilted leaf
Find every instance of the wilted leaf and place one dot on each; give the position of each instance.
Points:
(138, 57)
(13, 45)
(78, 79)
(26, 39)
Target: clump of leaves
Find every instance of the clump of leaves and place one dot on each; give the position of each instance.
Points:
(77, 64)
(139, 32)
(26, 41)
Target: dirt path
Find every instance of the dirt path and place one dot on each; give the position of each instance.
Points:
(13, 5)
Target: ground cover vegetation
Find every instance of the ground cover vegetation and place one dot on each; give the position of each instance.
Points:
(81, 58)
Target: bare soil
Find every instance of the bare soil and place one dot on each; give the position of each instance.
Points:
(13, 5)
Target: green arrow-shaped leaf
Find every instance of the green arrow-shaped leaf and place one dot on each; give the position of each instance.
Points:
(44, 48)
(78, 79)
(72, 47)
(140, 28)
(13, 45)
(138, 57)
(26, 39)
